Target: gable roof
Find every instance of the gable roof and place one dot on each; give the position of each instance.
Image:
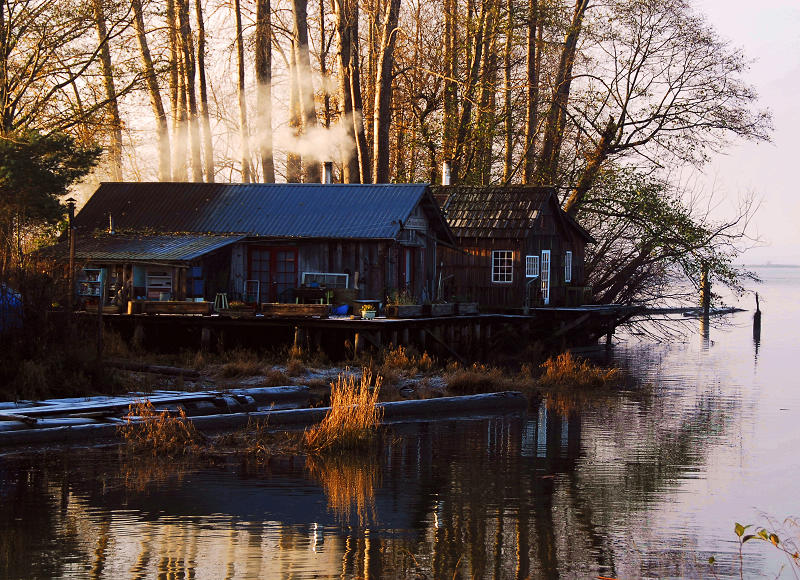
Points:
(499, 211)
(264, 210)
(491, 211)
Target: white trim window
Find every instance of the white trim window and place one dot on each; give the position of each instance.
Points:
(531, 266)
(568, 267)
(502, 266)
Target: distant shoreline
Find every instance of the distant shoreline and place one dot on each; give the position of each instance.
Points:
(772, 265)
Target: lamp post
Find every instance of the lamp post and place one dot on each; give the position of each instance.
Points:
(71, 216)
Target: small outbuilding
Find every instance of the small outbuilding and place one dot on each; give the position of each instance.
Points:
(516, 248)
(257, 242)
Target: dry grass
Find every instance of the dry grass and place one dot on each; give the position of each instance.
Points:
(160, 432)
(352, 421)
(477, 378)
(295, 367)
(349, 482)
(568, 371)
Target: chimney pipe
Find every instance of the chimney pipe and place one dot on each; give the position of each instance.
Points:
(327, 172)
(110, 223)
(445, 173)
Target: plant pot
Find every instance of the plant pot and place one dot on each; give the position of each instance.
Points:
(403, 310)
(368, 314)
(441, 309)
(466, 308)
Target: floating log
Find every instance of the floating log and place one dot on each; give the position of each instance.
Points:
(430, 409)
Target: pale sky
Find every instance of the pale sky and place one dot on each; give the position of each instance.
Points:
(769, 33)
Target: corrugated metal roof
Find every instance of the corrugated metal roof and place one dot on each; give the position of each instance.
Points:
(264, 210)
(491, 211)
(149, 248)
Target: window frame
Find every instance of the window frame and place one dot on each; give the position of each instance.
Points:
(568, 267)
(532, 260)
(502, 273)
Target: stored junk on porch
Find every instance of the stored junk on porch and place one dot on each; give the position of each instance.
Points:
(257, 243)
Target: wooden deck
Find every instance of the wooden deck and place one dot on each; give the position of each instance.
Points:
(461, 337)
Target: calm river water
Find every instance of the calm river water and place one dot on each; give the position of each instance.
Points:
(646, 483)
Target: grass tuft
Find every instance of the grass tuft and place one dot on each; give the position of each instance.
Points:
(565, 370)
(160, 432)
(352, 422)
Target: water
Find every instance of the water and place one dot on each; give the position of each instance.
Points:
(646, 483)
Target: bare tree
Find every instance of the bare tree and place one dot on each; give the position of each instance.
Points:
(383, 93)
(208, 147)
(264, 88)
(311, 167)
(112, 107)
(189, 71)
(665, 87)
(154, 92)
(244, 135)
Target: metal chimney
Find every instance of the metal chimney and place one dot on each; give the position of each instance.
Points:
(327, 172)
(445, 173)
(111, 223)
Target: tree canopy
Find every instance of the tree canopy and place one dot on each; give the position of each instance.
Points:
(36, 171)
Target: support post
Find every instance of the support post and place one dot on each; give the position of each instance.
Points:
(205, 339)
(705, 290)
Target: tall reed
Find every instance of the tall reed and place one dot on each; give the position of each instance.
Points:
(353, 419)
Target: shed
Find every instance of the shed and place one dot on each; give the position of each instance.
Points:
(258, 242)
(516, 247)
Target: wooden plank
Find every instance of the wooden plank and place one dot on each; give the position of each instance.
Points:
(16, 417)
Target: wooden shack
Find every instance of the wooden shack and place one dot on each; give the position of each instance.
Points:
(516, 248)
(258, 242)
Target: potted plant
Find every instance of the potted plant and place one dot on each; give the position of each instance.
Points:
(368, 312)
(402, 305)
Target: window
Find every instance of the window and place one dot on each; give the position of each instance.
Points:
(327, 279)
(502, 266)
(568, 267)
(531, 266)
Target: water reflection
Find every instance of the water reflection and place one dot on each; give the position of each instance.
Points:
(510, 497)
(647, 482)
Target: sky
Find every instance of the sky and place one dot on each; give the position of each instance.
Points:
(768, 31)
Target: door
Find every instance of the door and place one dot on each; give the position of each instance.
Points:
(275, 269)
(545, 274)
(406, 277)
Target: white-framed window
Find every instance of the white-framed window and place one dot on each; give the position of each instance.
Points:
(531, 266)
(567, 266)
(327, 279)
(502, 266)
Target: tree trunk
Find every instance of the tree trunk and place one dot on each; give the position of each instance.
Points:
(508, 151)
(112, 107)
(294, 170)
(311, 166)
(178, 139)
(154, 92)
(533, 61)
(264, 88)
(189, 70)
(243, 129)
(383, 94)
(350, 169)
(450, 98)
(594, 162)
(323, 68)
(557, 114)
(208, 147)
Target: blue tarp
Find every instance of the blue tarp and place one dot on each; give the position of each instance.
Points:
(10, 309)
